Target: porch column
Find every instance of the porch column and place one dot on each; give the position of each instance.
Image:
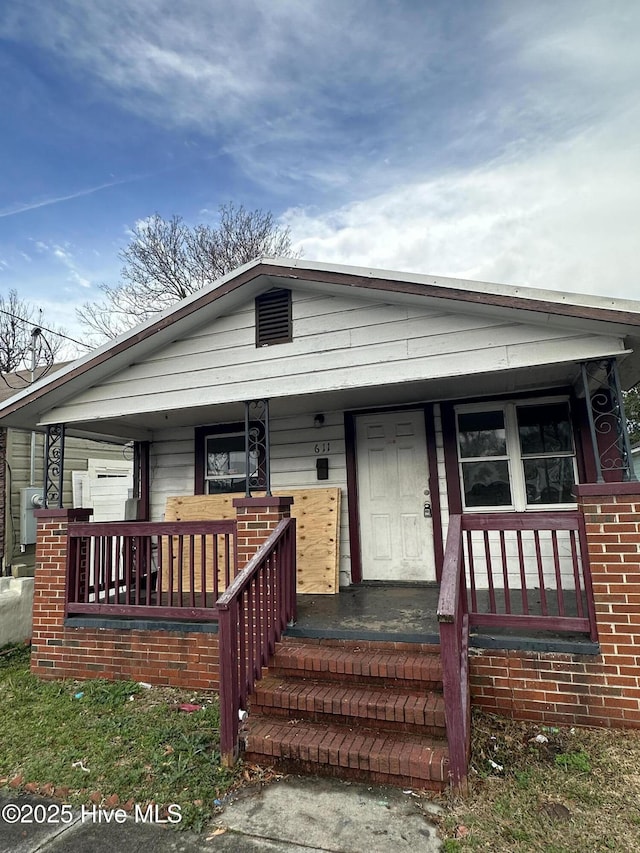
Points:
(257, 518)
(50, 586)
(607, 421)
(257, 446)
(141, 478)
(612, 521)
(54, 466)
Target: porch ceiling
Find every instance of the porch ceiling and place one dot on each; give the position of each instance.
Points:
(142, 427)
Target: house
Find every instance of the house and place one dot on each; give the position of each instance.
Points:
(454, 458)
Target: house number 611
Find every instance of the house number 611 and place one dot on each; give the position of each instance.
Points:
(323, 447)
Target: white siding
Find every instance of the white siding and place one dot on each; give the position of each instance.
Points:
(293, 465)
(76, 453)
(338, 342)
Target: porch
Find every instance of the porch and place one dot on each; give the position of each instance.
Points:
(238, 578)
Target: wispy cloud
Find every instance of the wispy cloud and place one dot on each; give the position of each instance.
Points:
(47, 202)
(64, 256)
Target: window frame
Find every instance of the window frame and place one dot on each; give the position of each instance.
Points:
(201, 436)
(515, 457)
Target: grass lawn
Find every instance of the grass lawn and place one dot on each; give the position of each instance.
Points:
(559, 791)
(532, 788)
(135, 743)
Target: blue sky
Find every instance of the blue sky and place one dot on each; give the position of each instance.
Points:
(483, 139)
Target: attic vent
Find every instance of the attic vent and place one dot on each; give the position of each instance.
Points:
(273, 318)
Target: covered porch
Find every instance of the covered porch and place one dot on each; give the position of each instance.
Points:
(525, 571)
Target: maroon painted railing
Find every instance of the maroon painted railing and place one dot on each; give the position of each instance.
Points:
(163, 570)
(453, 619)
(506, 570)
(253, 613)
(528, 571)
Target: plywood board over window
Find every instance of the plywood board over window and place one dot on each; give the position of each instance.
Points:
(317, 513)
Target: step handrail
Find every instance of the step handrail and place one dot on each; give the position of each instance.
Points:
(453, 619)
(252, 614)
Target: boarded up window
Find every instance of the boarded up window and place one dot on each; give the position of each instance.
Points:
(273, 318)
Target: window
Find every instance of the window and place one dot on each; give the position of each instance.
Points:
(516, 455)
(220, 461)
(273, 318)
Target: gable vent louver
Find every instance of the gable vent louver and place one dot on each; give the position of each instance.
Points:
(273, 318)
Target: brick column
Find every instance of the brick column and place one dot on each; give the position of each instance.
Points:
(257, 518)
(49, 587)
(612, 520)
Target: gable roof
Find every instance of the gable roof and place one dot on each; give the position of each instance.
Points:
(600, 314)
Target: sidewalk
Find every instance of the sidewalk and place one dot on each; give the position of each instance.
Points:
(295, 815)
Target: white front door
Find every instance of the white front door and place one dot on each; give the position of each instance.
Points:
(396, 539)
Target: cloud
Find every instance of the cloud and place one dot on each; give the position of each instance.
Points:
(495, 141)
(67, 259)
(552, 220)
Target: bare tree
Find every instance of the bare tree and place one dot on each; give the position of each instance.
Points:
(20, 346)
(167, 260)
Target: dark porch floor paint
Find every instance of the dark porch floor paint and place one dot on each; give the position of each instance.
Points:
(406, 613)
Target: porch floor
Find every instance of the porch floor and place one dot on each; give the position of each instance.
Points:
(371, 611)
(406, 613)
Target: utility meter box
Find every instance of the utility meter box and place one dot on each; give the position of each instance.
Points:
(30, 499)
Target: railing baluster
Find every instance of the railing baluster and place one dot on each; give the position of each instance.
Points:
(576, 574)
(161, 545)
(245, 641)
(489, 565)
(203, 569)
(505, 573)
(216, 570)
(540, 564)
(472, 571)
(171, 570)
(134, 557)
(258, 624)
(192, 571)
(250, 617)
(523, 574)
(95, 562)
(180, 567)
(556, 565)
(148, 558)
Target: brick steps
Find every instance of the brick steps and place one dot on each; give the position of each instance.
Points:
(361, 662)
(384, 758)
(351, 704)
(365, 711)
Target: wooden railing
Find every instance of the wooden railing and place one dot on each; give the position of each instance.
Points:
(506, 570)
(166, 570)
(253, 613)
(528, 571)
(453, 618)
